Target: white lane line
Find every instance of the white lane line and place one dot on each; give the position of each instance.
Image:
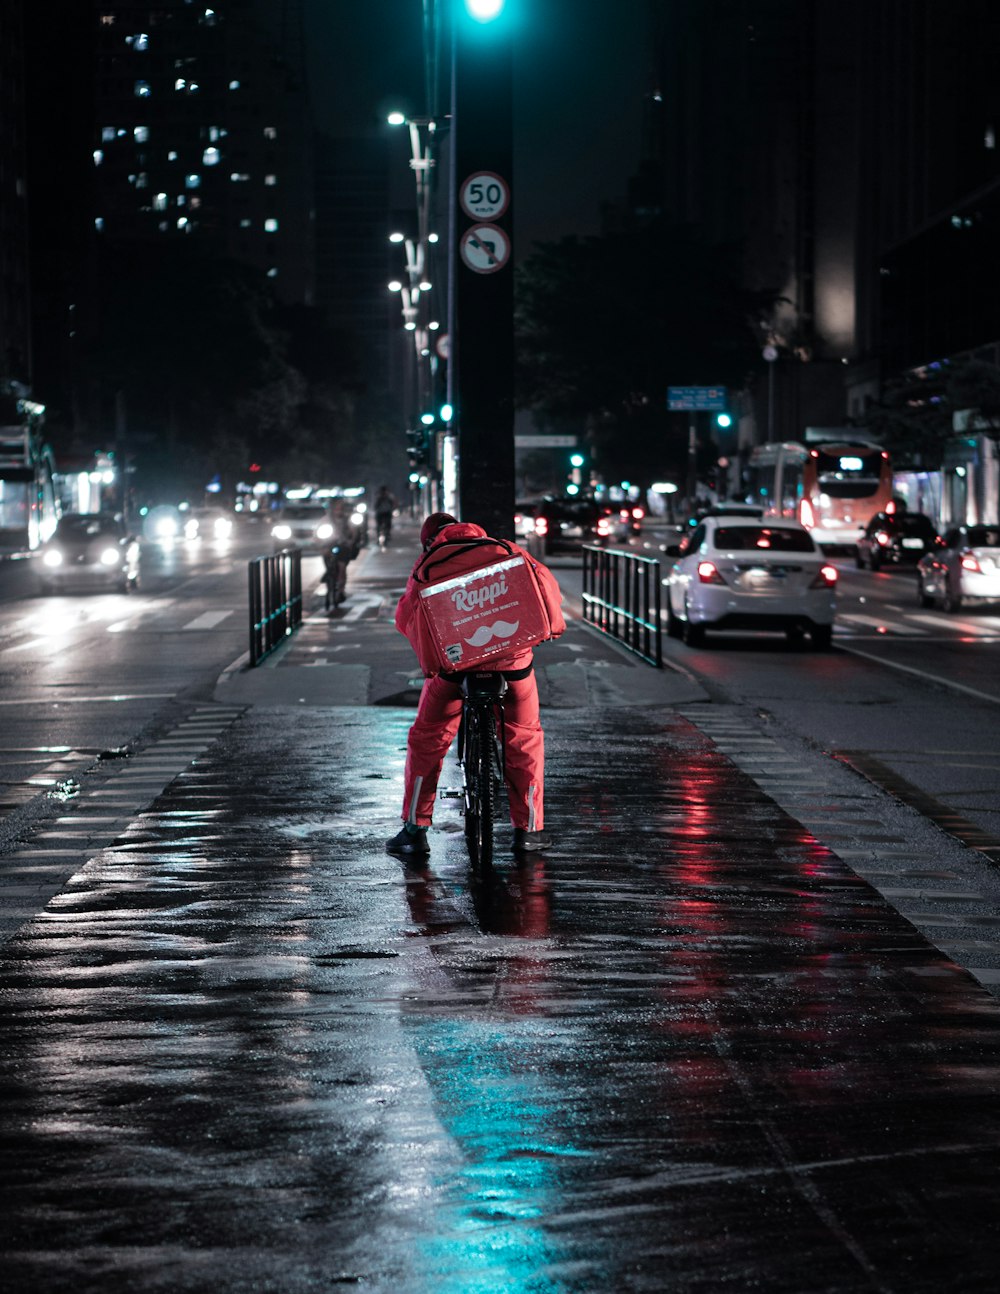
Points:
(959, 626)
(888, 626)
(208, 620)
(920, 673)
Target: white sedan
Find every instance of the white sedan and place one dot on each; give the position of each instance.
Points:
(966, 569)
(736, 573)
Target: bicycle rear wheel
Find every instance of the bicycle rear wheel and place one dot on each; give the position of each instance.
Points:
(480, 798)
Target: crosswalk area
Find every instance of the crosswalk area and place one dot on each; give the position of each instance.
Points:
(900, 623)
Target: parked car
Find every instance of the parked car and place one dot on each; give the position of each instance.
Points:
(965, 568)
(564, 524)
(737, 573)
(89, 550)
(897, 538)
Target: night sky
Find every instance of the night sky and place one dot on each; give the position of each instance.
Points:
(580, 69)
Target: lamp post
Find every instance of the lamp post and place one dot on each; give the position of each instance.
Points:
(421, 318)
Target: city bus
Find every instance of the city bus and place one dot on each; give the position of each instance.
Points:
(28, 508)
(833, 488)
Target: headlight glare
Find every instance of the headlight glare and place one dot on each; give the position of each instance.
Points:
(110, 556)
(53, 558)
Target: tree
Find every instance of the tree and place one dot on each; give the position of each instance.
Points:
(605, 324)
(916, 413)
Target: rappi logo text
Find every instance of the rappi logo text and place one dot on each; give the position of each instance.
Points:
(484, 596)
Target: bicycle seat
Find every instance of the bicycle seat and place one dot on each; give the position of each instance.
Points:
(491, 684)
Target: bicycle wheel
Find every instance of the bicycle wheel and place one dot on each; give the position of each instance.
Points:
(480, 800)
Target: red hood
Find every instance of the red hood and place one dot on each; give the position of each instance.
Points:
(456, 532)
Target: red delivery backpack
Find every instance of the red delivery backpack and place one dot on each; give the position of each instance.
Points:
(492, 610)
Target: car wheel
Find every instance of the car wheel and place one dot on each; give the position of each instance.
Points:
(673, 623)
(795, 635)
(923, 597)
(693, 635)
(822, 637)
(952, 600)
(859, 561)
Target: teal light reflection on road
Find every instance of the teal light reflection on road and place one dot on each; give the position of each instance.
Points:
(496, 1100)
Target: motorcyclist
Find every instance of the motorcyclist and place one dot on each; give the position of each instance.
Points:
(440, 707)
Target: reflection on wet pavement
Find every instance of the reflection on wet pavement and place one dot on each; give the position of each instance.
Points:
(686, 1050)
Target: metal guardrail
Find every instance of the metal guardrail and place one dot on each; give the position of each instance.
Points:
(621, 598)
(275, 600)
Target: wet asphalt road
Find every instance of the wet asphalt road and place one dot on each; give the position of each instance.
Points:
(691, 1049)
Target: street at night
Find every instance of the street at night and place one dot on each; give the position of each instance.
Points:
(736, 1028)
(499, 620)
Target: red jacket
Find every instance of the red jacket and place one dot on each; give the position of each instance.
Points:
(446, 566)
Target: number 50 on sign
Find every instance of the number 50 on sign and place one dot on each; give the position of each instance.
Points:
(484, 195)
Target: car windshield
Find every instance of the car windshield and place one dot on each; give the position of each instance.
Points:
(983, 537)
(762, 539)
(84, 527)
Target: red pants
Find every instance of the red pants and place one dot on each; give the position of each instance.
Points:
(434, 730)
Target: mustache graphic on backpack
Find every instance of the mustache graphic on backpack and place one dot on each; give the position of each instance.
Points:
(486, 633)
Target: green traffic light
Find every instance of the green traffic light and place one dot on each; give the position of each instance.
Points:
(723, 420)
(576, 460)
(484, 10)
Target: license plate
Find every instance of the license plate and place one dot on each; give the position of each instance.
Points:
(913, 543)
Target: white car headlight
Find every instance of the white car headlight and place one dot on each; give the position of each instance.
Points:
(282, 532)
(166, 527)
(53, 558)
(223, 527)
(110, 556)
(324, 531)
(357, 518)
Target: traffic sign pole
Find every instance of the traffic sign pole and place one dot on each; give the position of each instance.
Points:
(483, 336)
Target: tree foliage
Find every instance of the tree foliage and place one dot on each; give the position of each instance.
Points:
(605, 324)
(916, 413)
(214, 374)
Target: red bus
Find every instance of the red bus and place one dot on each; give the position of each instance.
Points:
(833, 488)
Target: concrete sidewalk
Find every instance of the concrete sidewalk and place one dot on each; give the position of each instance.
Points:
(242, 1049)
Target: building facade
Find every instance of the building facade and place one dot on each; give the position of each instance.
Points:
(202, 130)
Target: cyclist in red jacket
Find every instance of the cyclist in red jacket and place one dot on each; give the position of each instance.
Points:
(440, 707)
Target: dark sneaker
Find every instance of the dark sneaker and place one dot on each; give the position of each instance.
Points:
(410, 842)
(529, 842)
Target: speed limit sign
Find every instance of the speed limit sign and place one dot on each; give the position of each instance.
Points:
(484, 195)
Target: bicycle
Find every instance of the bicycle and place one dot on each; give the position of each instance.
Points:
(334, 577)
(482, 755)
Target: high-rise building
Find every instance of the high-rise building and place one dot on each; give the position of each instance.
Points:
(15, 329)
(202, 131)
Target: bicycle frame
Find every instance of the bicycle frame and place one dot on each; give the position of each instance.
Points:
(482, 754)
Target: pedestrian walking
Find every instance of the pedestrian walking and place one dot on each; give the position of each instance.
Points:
(385, 509)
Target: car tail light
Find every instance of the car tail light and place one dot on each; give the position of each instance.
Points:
(806, 515)
(638, 513)
(826, 578)
(541, 527)
(624, 514)
(882, 538)
(708, 573)
(603, 526)
(971, 563)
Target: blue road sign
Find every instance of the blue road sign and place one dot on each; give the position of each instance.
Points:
(696, 397)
